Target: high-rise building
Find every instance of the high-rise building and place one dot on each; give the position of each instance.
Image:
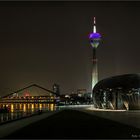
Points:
(56, 89)
(94, 41)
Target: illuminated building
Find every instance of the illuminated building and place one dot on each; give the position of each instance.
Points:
(118, 92)
(94, 41)
(56, 89)
(30, 94)
(81, 92)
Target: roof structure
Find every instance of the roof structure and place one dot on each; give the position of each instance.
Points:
(126, 81)
(31, 90)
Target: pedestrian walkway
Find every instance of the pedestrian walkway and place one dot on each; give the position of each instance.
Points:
(71, 124)
(8, 128)
(131, 117)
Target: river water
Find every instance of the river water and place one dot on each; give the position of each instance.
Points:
(20, 110)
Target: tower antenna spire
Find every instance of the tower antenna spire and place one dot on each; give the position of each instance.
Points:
(94, 26)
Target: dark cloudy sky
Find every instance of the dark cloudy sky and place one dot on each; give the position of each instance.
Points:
(47, 42)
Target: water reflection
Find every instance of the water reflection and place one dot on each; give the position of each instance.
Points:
(18, 110)
(14, 107)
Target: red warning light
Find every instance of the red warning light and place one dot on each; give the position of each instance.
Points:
(26, 94)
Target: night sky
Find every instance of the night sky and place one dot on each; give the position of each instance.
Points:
(47, 42)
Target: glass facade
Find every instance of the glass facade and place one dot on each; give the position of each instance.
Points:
(118, 92)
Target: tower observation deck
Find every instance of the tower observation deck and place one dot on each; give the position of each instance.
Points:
(94, 41)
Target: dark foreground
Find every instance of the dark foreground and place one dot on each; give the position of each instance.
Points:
(75, 124)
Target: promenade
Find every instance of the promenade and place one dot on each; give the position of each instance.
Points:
(75, 124)
(12, 126)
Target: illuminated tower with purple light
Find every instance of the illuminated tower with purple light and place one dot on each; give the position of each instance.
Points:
(94, 41)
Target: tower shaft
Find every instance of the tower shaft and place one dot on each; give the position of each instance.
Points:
(94, 68)
(94, 41)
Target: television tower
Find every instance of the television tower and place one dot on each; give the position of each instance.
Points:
(94, 41)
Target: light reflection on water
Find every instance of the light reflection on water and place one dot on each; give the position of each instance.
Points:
(19, 110)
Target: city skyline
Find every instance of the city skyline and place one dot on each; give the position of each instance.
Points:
(47, 43)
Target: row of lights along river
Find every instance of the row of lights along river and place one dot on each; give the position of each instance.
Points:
(19, 110)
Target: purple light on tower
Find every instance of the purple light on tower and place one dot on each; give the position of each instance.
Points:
(94, 38)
